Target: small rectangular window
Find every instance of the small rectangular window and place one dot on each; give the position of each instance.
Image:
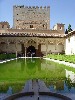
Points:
(31, 26)
(60, 28)
(43, 25)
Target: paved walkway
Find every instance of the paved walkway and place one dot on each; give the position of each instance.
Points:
(36, 86)
(7, 60)
(40, 98)
(61, 62)
(3, 95)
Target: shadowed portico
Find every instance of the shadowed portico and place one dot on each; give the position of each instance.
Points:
(31, 51)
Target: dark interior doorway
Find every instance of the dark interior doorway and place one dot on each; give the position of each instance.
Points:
(31, 51)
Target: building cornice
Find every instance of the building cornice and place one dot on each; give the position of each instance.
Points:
(70, 33)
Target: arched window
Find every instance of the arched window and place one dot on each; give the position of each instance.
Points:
(2, 26)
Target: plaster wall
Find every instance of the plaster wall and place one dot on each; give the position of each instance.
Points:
(70, 48)
(52, 48)
(10, 48)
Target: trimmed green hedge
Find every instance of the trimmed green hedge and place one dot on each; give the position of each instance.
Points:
(7, 56)
(67, 58)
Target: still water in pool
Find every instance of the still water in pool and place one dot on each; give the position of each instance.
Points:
(58, 77)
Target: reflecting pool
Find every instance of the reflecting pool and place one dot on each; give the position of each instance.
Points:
(58, 77)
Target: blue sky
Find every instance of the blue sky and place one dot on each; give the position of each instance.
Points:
(61, 11)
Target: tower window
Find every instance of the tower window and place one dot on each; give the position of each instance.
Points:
(60, 28)
(43, 25)
(31, 26)
(2, 26)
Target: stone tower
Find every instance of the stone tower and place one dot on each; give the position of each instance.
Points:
(25, 17)
(59, 27)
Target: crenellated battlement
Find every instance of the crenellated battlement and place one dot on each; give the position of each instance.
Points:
(31, 17)
(3, 22)
(32, 7)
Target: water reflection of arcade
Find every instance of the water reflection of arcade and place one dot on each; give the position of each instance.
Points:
(30, 65)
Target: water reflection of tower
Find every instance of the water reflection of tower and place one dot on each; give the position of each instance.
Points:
(34, 64)
(31, 65)
(23, 64)
(59, 85)
(38, 64)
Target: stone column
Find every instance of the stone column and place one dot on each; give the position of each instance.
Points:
(25, 51)
(36, 46)
(55, 44)
(16, 48)
(7, 46)
(25, 46)
(46, 46)
(16, 53)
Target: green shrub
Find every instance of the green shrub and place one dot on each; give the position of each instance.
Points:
(68, 58)
(7, 56)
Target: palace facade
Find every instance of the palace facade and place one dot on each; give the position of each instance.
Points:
(31, 34)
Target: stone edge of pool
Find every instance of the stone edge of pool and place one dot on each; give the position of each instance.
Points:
(4, 61)
(58, 61)
(16, 96)
(61, 62)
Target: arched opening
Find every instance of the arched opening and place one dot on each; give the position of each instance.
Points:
(31, 51)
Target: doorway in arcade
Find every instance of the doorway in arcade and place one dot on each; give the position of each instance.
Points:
(31, 51)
